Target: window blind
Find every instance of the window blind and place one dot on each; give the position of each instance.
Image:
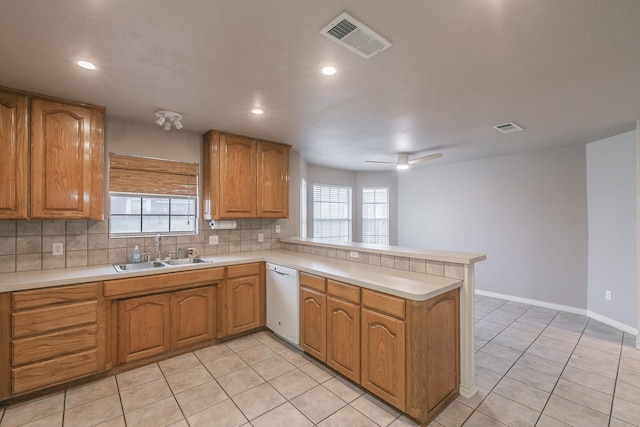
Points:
(375, 215)
(142, 175)
(332, 212)
(303, 207)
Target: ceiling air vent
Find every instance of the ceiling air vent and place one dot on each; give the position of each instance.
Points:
(355, 36)
(508, 127)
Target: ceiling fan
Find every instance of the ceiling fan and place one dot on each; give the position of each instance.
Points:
(403, 162)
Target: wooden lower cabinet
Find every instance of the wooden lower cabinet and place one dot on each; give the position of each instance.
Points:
(144, 327)
(383, 357)
(154, 324)
(313, 323)
(343, 337)
(243, 299)
(405, 352)
(55, 335)
(192, 316)
(243, 306)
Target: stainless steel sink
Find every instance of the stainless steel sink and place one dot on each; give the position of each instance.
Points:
(139, 266)
(184, 261)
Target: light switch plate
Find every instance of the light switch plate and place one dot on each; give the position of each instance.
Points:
(260, 237)
(58, 249)
(213, 240)
(277, 228)
(353, 254)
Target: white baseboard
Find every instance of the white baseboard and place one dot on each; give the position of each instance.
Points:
(567, 308)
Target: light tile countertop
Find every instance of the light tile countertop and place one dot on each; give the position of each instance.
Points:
(406, 284)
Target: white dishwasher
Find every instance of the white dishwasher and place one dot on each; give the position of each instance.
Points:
(282, 302)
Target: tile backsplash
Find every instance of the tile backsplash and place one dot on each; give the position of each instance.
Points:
(28, 245)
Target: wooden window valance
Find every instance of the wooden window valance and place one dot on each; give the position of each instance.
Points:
(142, 175)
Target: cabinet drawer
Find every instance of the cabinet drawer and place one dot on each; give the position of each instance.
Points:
(313, 282)
(344, 291)
(48, 319)
(55, 344)
(162, 282)
(57, 295)
(383, 302)
(243, 270)
(54, 371)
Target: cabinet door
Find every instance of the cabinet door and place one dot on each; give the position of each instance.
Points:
(383, 357)
(143, 327)
(192, 316)
(14, 151)
(237, 176)
(273, 180)
(313, 323)
(67, 163)
(343, 337)
(243, 304)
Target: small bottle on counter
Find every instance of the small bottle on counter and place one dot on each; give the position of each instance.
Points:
(135, 256)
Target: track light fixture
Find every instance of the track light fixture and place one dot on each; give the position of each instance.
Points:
(165, 118)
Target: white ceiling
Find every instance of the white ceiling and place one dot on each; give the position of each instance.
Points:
(567, 71)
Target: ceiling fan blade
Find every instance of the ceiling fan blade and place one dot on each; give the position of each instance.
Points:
(425, 158)
(385, 163)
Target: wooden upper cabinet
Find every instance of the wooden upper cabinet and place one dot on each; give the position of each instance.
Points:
(237, 177)
(273, 180)
(67, 161)
(14, 155)
(244, 178)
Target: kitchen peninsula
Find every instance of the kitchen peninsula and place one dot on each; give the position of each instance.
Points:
(410, 278)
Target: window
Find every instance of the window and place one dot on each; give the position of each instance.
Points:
(303, 208)
(151, 196)
(151, 214)
(332, 212)
(375, 215)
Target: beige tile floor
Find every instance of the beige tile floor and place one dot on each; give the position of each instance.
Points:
(534, 367)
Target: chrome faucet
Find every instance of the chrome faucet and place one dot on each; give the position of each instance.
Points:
(179, 253)
(158, 247)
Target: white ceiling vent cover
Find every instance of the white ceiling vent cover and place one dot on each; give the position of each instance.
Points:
(508, 127)
(355, 36)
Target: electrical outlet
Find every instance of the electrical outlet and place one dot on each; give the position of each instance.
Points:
(607, 295)
(213, 240)
(353, 254)
(260, 237)
(58, 249)
(277, 228)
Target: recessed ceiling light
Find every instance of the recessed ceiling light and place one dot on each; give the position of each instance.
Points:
(402, 166)
(86, 65)
(257, 111)
(329, 71)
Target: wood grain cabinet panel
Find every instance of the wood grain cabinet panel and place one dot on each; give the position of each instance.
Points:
(244, 177)
(237, 177)
(14, 155)
(273, 180)
(343, 337)
(313, 323)
(56, 335)
(67, 163)
(54, 371)
(144, 327)
(192, 316)
(46, 319)
(383, 357)
(243, 304)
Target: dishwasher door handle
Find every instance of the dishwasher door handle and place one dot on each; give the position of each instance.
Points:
(280, 273)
